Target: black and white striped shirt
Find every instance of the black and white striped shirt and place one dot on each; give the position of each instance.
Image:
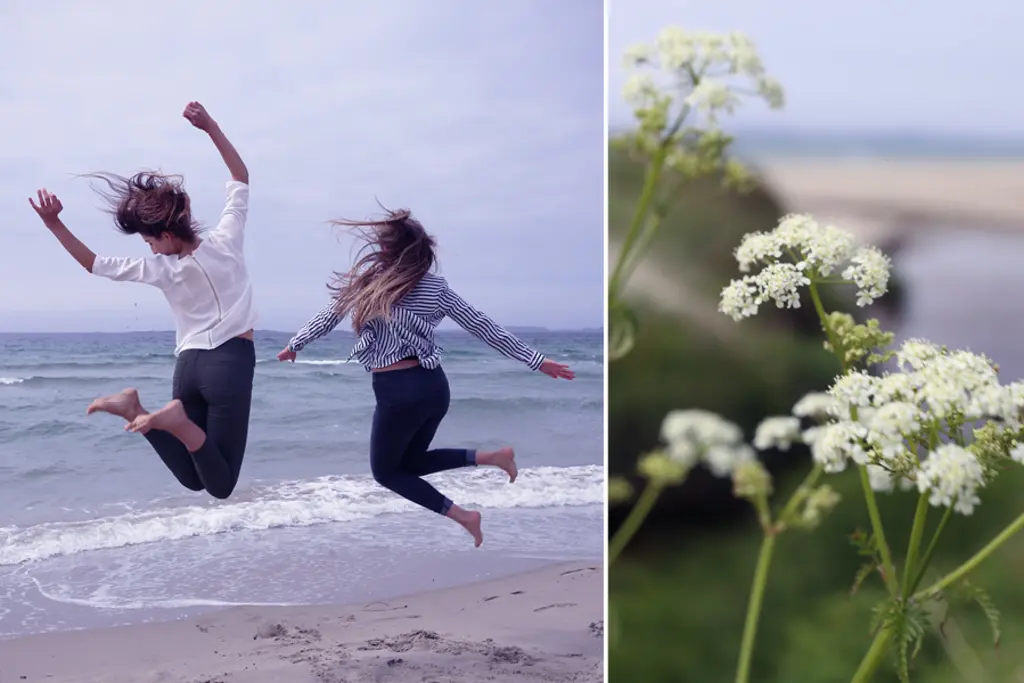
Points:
(410, 330)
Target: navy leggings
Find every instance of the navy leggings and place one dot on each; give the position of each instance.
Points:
(215, 388)
(410, 405)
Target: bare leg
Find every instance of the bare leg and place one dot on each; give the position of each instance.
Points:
(470, 521)
(503, 458)
(124, 404)
(172, 419)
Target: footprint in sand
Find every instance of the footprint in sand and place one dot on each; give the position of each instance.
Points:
(557, 604)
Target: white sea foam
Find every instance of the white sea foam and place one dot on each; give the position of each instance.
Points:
(298, 504)
(11, 380)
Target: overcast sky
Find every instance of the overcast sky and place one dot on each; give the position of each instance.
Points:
(934, 65)
(485, 119)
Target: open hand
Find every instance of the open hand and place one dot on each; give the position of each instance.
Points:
(286, 355)
(556, 370)
(198, 116)
(49, 206)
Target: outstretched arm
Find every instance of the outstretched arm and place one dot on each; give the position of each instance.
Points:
(319, 325)
(48, 209)
(201, 119)
(150, 271)
(488, 331)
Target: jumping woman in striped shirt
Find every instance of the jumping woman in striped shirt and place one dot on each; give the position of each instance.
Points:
(395, 302)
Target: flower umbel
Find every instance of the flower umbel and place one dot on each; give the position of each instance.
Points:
(798, 252)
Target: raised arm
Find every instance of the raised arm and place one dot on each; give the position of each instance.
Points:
(201, 119)
(319, 325)
(488, 331)
(48, 210)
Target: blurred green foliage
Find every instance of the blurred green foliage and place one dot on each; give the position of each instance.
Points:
(679, 605)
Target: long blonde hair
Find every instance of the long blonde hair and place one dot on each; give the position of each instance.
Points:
(396, 253)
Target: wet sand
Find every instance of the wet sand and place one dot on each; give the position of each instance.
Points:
(543, 625)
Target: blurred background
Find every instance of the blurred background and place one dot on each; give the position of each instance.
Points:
(903, 125)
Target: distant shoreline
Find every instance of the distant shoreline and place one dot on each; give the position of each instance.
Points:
(511, 328)
(771, 145)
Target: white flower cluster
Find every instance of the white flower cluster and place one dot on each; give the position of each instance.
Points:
(707, 64)
(892, 423)
(790, 255)
(695, 436)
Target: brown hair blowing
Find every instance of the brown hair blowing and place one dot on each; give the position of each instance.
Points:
(396, 253)
(149, 204)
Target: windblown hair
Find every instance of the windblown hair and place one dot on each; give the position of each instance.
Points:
(149, 204)
(396, 253)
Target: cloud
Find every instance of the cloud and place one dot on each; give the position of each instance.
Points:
(486, 121)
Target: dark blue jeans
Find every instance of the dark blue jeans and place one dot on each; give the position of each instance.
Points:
(410, 405)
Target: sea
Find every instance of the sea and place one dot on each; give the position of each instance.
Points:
(94, 531)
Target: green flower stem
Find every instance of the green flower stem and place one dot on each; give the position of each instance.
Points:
(926, 560)
(764, 561)
(873, 658)
(914, 546)
(800, 495)
(971, 564)
(823, 317)
(634, 520)
(654, 171)
(637, 224)
(888, 568)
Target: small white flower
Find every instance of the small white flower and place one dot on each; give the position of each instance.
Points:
(757, 248)
(710, 96)
(833, 444)
(852, 390)
(952, 475)
(992, 401)
(700, 435)
(777, 432)
(722, 460)
(640, 89)
(896, 387)
(781, 283)
(1017, 454)
(880, 479)
(740, 299)
(815, 404)
(869, 269)
(700, 426)
(897, 419)
(915, 353)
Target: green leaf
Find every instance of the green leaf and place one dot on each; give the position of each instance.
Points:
(863, 573)
(622, 330)
(971, 593)
(909, 623)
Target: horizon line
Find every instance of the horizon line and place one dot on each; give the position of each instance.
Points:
(537, 328)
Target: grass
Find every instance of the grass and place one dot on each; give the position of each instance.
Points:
(679, 604)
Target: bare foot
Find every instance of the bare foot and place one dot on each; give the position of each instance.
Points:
(504, 459)
(470, 521)
(124, 404)
(171, 418)
(472, 524)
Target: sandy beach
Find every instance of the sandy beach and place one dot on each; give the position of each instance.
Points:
(543, 625)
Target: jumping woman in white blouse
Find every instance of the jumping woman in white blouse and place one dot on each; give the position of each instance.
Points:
(201, 434)
(394, 303)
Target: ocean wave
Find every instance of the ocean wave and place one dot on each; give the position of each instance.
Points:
(298, 504)
(11, 381)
